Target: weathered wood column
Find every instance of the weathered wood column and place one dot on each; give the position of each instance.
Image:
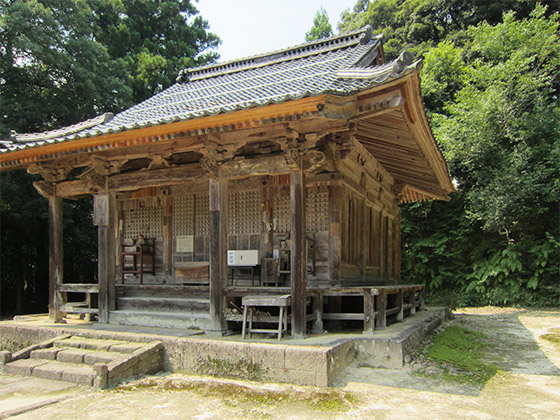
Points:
(167, 234)
(218, 196)
(397, 247)
(382, 246)
(335, 241)
(299, 252)
(55, 257)
(104, 217)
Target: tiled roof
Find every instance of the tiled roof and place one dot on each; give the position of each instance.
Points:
(340, 65)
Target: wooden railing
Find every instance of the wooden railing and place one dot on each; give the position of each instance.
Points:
(376, 305)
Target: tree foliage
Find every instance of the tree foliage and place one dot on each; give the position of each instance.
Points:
(63, 61)
(501, 137)
(492, 94)
(418, 25)
(321, 26)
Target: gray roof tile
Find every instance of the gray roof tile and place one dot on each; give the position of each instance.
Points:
(332, 65)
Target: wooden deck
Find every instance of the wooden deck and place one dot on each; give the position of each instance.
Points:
(188, 306)
(379, 302)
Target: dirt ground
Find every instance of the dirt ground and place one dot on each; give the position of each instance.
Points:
(524, 345)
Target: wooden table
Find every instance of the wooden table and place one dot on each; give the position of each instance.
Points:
(252, 301)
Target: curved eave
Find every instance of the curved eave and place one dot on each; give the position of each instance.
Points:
(394, 127)
(305, 107)
(428, 142)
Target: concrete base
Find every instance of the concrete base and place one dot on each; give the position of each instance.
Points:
(315, 360)
(388, 350)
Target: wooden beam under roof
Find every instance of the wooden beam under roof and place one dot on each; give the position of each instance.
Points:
(252, 117)
(401, 140)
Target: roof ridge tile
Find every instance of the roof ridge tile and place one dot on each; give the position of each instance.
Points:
(344, 40)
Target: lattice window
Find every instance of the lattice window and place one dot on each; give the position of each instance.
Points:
(244, 212)
(317, 209)
(281, 212)
(201, 216)
(146, 220)
(183, 215)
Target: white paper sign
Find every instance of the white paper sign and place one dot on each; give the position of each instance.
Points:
(185, 243)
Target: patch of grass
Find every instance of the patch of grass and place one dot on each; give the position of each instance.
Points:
(458, 351)
(330, 400)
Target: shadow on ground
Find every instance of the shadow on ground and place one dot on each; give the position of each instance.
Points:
(521, 342)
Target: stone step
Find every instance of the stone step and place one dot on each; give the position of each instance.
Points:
(84, 361)
(161, 319)
(98, 344)
(52, 369)
(77, 355)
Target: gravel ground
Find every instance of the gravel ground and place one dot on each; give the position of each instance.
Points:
(524, 345)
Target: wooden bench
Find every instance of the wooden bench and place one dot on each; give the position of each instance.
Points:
(252, 301)
(84, 307)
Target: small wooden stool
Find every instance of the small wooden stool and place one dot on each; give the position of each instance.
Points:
(252, 301)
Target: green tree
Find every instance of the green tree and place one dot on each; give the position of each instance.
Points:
(52, 70)
(321, 26)
(153, 40)
(63, 61)
(418, 25)
(501, 132)
(494, 96)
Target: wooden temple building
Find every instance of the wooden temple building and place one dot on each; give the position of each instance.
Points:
(275, 175)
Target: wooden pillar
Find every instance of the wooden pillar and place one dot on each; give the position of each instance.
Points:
(267, 232)
(364, 226)
(381, 308)
(299, 257)
(335, 241)
(104, 217)
(369, 312)
(218, 205)
(167, 235)
(382, 246)
(55, 258)
(400, 305)
(390, 249)
(318, 313)
(397, 247)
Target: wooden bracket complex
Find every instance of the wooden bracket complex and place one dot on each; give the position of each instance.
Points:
(49, 173)
(103, 166)
(210, 167)
(307, 161)
(46, 189)
(96, 183)
(159, 162)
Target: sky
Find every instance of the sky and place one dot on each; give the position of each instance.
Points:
(250, 27)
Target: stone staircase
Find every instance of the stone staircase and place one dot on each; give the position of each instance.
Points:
(161, 306)
(99, 363)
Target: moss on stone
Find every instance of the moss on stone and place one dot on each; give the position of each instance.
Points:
(329, 400)
(458, 351)
(243, 368)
